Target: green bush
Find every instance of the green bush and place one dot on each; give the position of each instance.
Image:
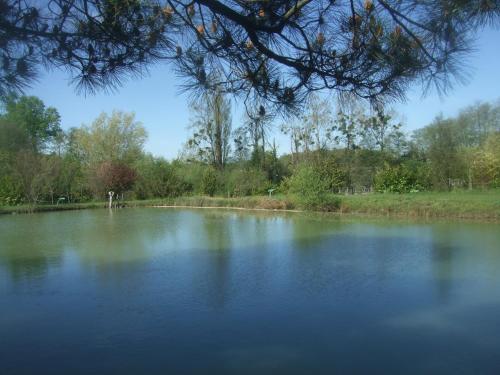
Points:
(209, 181)
(246, 181)
(10, 192)
(159, 178)
(401, 179)
(306, 182)
(312, 192)
(331, 173)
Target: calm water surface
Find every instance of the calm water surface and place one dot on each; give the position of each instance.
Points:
(159, 291)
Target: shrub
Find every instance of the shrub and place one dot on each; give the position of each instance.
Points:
(487, 163)
(159, 178)
(246, 181)
(209, 181)
(326, 202)
(192, 174)
(401, 179)
(311, 191)
(10, 193)
(332, 174)
(306, 182)
(114, 176)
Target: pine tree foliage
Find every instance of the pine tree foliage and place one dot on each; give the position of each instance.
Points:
(279, 50)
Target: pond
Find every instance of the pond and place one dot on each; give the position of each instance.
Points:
(171, 291)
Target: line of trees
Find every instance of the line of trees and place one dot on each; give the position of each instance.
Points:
(348, 150)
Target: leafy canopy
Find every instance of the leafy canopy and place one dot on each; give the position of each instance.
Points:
(116, 138)
(29, 124)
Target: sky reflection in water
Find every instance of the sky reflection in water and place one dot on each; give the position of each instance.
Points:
(199, 291)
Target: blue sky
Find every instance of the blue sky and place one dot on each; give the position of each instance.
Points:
(156, 101)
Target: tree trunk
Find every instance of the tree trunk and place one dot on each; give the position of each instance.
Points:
(219, 162)
(470, 178)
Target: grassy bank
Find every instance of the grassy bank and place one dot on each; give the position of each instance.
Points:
(24, 209)
(189, 201)
(255, 202)
(460, 205)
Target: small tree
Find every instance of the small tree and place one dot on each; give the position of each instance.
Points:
(487, 162)
(347, 128)
(40, 124)
(118, 138)
(112, 176)
(159, 178)
(30, 174)
(378, 130)
(300, 138)
(209, 181)
(257, 123)
(402, 178)
(331, 173)
(10, 189)
(247, 181)
(441, 144)
(212, 129)
(312, 191)
(318, 121)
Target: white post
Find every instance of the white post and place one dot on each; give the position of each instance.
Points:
(110, 193)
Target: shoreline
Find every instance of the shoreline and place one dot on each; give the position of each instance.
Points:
(354, 214)
(226, 208)
(473, 206)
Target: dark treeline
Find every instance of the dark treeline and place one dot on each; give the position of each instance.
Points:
(352, 150)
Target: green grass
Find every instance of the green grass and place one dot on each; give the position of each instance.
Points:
(480, 205)
(254, 202)
(22, 209)
(459, 204)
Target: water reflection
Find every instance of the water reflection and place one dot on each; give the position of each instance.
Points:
(29, 246)
(213, 276)
(189, 291)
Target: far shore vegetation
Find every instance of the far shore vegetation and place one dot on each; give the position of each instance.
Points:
(475, 205)
(351, 160)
